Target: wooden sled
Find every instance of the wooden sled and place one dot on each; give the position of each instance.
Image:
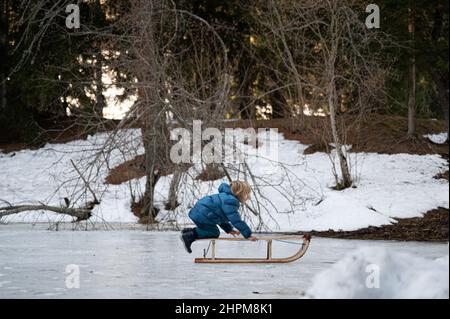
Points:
(268, 260)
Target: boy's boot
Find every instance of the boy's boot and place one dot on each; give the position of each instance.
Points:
(188, 236)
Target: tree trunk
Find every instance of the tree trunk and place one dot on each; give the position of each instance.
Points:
(346, 177)
(173, 190)
(333, 102)
(294, 70)
(100, 103)
(412, 100)
(151, 171)
(246, 108)
(279, 104)
(3, 52)
(3, 92)
(412, 81)
(440, 76)
(441, 79)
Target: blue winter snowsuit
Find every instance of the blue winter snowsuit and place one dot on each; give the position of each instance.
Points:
(219, 209)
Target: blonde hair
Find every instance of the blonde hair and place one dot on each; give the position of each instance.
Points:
(240, 189)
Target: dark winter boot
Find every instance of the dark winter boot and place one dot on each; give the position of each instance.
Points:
(188, 236)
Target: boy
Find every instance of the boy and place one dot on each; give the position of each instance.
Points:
(220, 209)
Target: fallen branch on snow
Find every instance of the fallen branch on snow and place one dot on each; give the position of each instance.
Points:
(79, 213)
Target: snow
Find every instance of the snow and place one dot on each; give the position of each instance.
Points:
(386, 186)
(369, 273)
(440, 138)
(47, 175)
(140, 264)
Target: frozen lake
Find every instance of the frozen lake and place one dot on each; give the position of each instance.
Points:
(140, 264)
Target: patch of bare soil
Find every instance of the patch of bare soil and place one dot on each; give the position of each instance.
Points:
(137, 208)
(433, 227)
(131, 169)
(62, 131)
(211, 173)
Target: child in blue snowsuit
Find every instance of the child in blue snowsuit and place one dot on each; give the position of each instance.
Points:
(220, 209)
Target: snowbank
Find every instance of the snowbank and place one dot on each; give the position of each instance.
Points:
(47, 176)
(386, 186)
(380, 273)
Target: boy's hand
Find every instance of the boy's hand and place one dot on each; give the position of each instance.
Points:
(252, 238)
(235, 233)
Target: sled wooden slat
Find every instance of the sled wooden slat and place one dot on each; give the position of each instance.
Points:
(287, 237)
(268, 260)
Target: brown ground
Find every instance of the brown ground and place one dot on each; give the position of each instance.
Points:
(433, 226)
(376, 133)
(126, 171)
(63, 131)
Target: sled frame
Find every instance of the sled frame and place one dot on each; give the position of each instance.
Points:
(268, 260)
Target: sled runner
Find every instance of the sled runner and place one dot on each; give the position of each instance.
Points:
(268, 260)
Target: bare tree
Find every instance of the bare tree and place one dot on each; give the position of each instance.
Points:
(412, 76)
(334, 62)
(174, 84)
(4, 27)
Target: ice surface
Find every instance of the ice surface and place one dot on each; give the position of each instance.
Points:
(139, 264)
